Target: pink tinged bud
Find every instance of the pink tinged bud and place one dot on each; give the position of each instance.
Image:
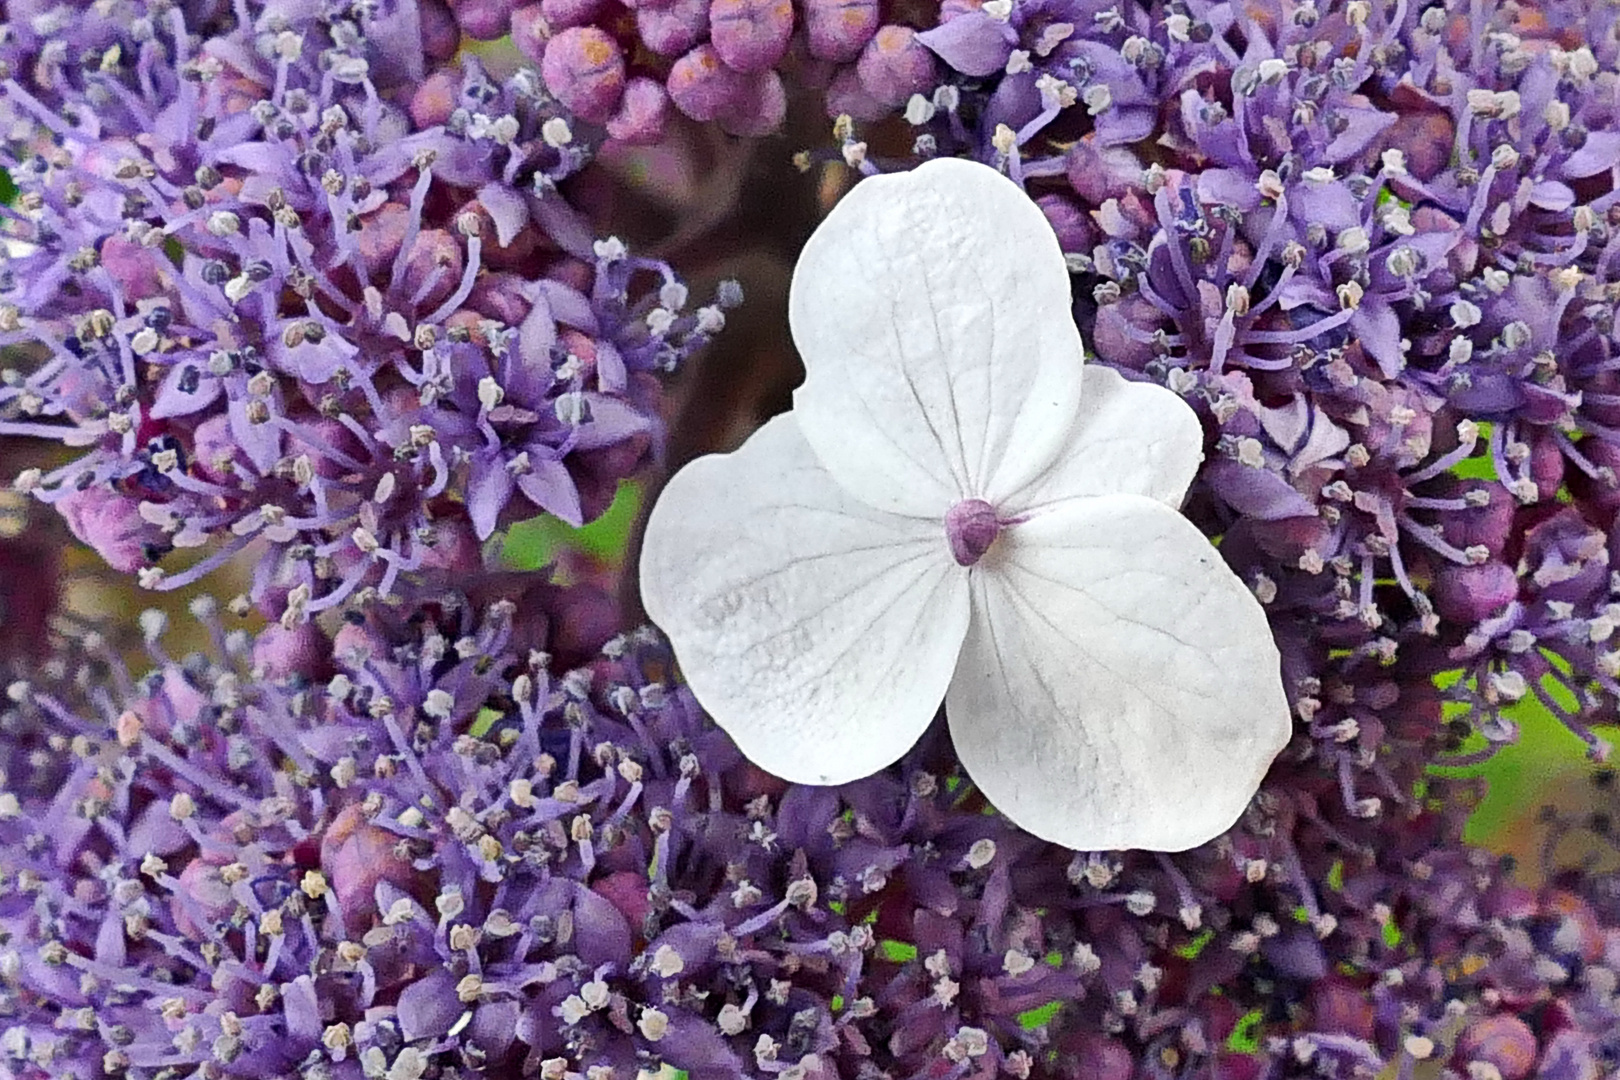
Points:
(562, 14)
(584, 68)
(355, 856)
(672, 28)
(382, 233)
(839, 29)
(894, 65)
(280, 652)
(214, 450)
(846, 95)
(971, 527)
(1468, 594)
(1504, 1041)
(627, 891)
(110, 523)
(703, 87)
(641, 115)
(435, 257)
(140, 271)
(750, 35)
(435, 99)
(441, 37)
(484, 20)
(760, 110)
(201, 900)
(531, 31)
(1074, 229)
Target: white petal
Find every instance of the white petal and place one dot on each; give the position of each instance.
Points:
(819, 633)
(1119, 687)
(933, 314)
(1131, 438)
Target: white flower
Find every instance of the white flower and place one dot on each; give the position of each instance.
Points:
(957, 507)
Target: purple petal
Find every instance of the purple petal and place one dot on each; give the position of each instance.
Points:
(1258, 493)
(550, 487)
(260, 442)
(1552, 195)
(488, 490)
(1600, 151)
(1362, 127)
(1379, 330)
(506, 208)
(429, 1007)
(972, 43)
(171, 400)
(612, 422)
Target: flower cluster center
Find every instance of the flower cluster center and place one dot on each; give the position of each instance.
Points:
(971, 526)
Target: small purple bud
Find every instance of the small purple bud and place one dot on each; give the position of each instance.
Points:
(640, 119)
(435, 99)
(750, 35)
(201, 899)
(441, 37)
(703, 87)
(1468, 594)
(672, 28)
(562, 14)
(839, 29)
(971, 527)
(531, 31)
(894, 65)
(484, 20)
(1074, 229)
(435, 256)
(584, 68)
(760, 110)
(110, 523)
(1504, 1041)
(845, 94)
(302, 650)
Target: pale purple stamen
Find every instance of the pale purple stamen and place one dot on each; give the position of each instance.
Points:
(971, 526)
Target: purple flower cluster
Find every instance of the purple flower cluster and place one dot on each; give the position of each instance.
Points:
(266, 304)
(408, 851)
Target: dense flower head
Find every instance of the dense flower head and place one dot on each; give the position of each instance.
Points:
(266, 304)
(405, 849)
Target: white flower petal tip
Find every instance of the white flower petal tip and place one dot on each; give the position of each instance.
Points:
(959, 508)
(933, 314)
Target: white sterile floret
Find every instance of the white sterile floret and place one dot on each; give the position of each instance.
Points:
(958, 507)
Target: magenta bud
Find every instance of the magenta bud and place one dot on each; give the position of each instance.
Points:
(138, 269)
(971, 526)
(215, 453)
(1468, 594)
(531, 31)
(441, 37)
(672, 28)
(894, 65)
(484, 20)
(435, 99)
(760, 110)
(750, 35)
(584, 69)
(839, 29)
(562, 14)
(355, 856)
(1504, 1041)
(703, 87)
(640, 119)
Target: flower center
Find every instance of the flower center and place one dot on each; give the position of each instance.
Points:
(971, 527)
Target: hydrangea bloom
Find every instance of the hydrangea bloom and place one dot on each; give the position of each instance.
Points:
(955, 502)
(265, 307)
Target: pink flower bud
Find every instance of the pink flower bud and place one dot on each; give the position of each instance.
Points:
(435, 258)
(531, 31)
(750, 35)
(1504, 1041)
(703, 87)
(201, 899)
(839, 29)
(894, 65)
(670, 29)
(640, 119)
(584, 68)
(562, 14)
(355, 856)
(1074, 229)
(435, 99)
(1468, 594)
(484, 20)
(761, 108)
(139, 270)
(441, 37)
(280, 652)
(111, 524)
